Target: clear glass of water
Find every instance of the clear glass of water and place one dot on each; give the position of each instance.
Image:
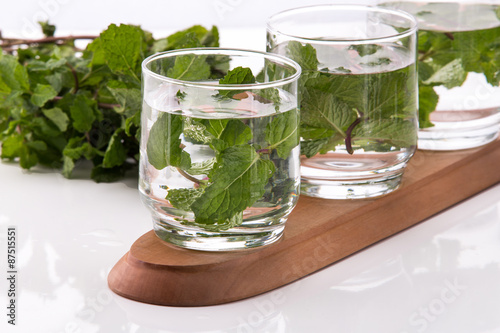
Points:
(358, 93)
(219, 165)
(459, 72)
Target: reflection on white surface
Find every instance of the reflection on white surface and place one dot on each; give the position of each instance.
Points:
(440, 276)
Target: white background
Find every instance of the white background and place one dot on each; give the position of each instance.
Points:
(157, 16)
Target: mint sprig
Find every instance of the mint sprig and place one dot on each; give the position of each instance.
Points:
(238, 181)
(164, 143)
(341, 108)
(60, 105)
(242, 171)
(446, 57)
(282, 134)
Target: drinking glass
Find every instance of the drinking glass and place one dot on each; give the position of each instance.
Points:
(219, 164)
(459, 72)
(358, 93)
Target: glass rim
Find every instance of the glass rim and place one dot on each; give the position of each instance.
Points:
(223, 51)
(355, 8)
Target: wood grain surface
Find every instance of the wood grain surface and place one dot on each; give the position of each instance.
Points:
(318, 233)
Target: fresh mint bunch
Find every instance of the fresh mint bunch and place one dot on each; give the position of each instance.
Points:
(245, 163)
(60, 105)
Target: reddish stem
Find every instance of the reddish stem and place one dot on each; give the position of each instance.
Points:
(45, 40)
(348, 133)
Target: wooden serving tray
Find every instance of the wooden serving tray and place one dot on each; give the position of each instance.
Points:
(318, 233)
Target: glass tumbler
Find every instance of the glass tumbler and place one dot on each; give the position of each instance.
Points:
(358, 93)
(219, 165)
(459, 72)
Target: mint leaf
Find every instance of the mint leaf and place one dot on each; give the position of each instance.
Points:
(181, 95)
(227, 132)
(75, 149)
(244, 75)
(183, 39)
(13, 74)
(238, 75)
(164, 143)
(45, 128)
(270, 95)
(95, 53)
(399, 132)
(232, 222)
(190, 67)
(307, 132)
(202, 168)
(450, 75)
(107, 175)
(56, 81)
(428, 100)
(216, 126)
(78, 147)
(377, 62)
(11, 146)
(478, 51)
(342, 70)
(365, 49)
(183, 198)
(325, 110)
(305, 55)
(238, 181)
(122, 48)
(42, 94)
(347, 88)
(37, 145)
(309, 148)
(282, 133)
(82, 113)
(196, 131)
(47, 28)
(116, 153)
(235, 133)
(27, 159)
(68, 166)
(58, 117)
(129, 99)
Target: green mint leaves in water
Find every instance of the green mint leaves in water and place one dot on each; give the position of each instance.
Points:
(339, 108)
(247, 155)
(445, 58)
(60, 105)
(454, 39)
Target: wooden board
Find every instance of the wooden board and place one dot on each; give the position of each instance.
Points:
(318, 233)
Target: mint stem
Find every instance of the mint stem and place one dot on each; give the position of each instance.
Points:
(75, 76)
(264, 151)
(449, 35)
(348, 132)
(188, 176)
(19, 41)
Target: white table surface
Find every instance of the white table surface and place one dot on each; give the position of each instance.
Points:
(442, 275)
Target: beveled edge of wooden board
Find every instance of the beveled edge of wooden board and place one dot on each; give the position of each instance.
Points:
(208, 278)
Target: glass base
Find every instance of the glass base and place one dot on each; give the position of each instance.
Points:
(457, 130)
(350, 189)
(439, 139)
(233, 239)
